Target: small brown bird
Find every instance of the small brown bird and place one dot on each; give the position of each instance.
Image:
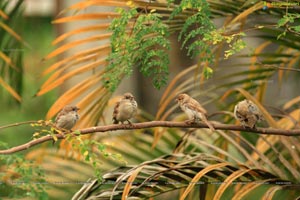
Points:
(125, 109)
(193, 110)
(67, 117)
(247, 113)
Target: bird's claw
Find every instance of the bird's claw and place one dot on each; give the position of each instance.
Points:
(250, 128)
(190, 122)
(129, 124)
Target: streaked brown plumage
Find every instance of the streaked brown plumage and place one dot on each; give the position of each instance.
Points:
(193, 110)
(67, 117)
(247, 113)
(125, 109)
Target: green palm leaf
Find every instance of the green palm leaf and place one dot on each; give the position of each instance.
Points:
(11, 50)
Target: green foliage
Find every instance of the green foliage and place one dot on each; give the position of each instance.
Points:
(234, 41)
(21, 177)
(11, 51)
(289, 22)
(145, 46)
(43, 128)
(195, 27)
(207, 72)
(235, 47)
(140, 39)
(90, 150)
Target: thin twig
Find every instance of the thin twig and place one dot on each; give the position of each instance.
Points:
(152, 124)
(17, 124)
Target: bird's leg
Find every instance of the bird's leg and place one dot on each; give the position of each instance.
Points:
(129, 123)
(254, 127)
(190, 121)
(246, 126)
(66, 131)
(123, 124)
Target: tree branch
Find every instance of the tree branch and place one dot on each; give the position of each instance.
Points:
(17, 124)
(152, 124)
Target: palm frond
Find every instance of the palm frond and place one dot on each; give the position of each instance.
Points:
(175, 19)
(11, 53)
(173, 172)
(227, 157)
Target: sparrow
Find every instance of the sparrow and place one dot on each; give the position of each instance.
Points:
(67, 117)
(125, 109)
(193, 110)
(247, 113)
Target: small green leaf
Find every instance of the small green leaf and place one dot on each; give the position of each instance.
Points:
(86, 153)
(36, 134)
(296, 28)
(208, 72)
(281, 35)
(136, 48)
(101, 147)
(54, 137)
(77, 132)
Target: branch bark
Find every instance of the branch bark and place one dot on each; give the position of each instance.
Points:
(152, 124)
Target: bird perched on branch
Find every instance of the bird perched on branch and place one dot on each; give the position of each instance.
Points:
(125, 109)
(193, 110)
(67, 117)
(247, 113)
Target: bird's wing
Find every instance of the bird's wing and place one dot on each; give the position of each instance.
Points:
(62, 112)
(62, 123)
(255, 110)
(195, 105)
(116, 109)
(243, 110)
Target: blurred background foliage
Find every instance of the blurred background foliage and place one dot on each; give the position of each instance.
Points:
(220, 52)
(24, 48)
